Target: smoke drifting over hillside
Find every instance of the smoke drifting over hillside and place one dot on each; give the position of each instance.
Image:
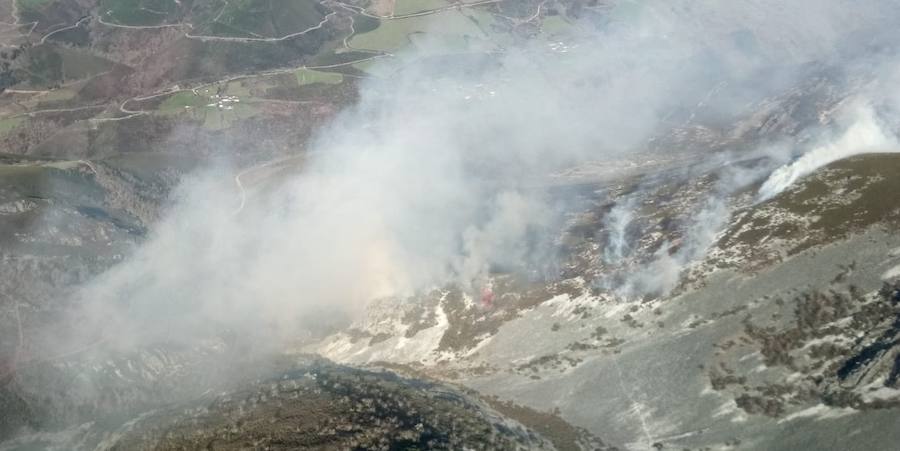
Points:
(864, 134)
(435, 176)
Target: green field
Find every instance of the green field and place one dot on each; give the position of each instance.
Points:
(213, 112)
(383, 67)
(7, 125)
(293, 16)
(556, 25)
(308, 76)
(50, 65)
(402, 7)
(78, 65)
(59, 94)
(139, 12)
(44, 67)
(149, 165)
(18, 175)
(32, 5)
(176, 103)
(445, 27)
(237, 88)
(218, 119)
(260, 19)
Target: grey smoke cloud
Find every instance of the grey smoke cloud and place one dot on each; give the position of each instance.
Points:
(866, 122)
(862, 135)
(434, 177)
(858, 127)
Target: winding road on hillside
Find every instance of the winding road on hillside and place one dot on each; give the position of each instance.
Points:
(130, 113)
(455, 6)
(70, 27)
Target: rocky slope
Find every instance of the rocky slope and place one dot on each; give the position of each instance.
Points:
(677, 307)
(304, 403)
(791, 329)
(786, 322)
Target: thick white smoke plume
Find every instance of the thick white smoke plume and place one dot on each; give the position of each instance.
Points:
(616, 223)
(858, 129)
(438, 174)
(663, 272)
(864, 134)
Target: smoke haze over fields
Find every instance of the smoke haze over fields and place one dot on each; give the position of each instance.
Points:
(436, 176)
(447, 224)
